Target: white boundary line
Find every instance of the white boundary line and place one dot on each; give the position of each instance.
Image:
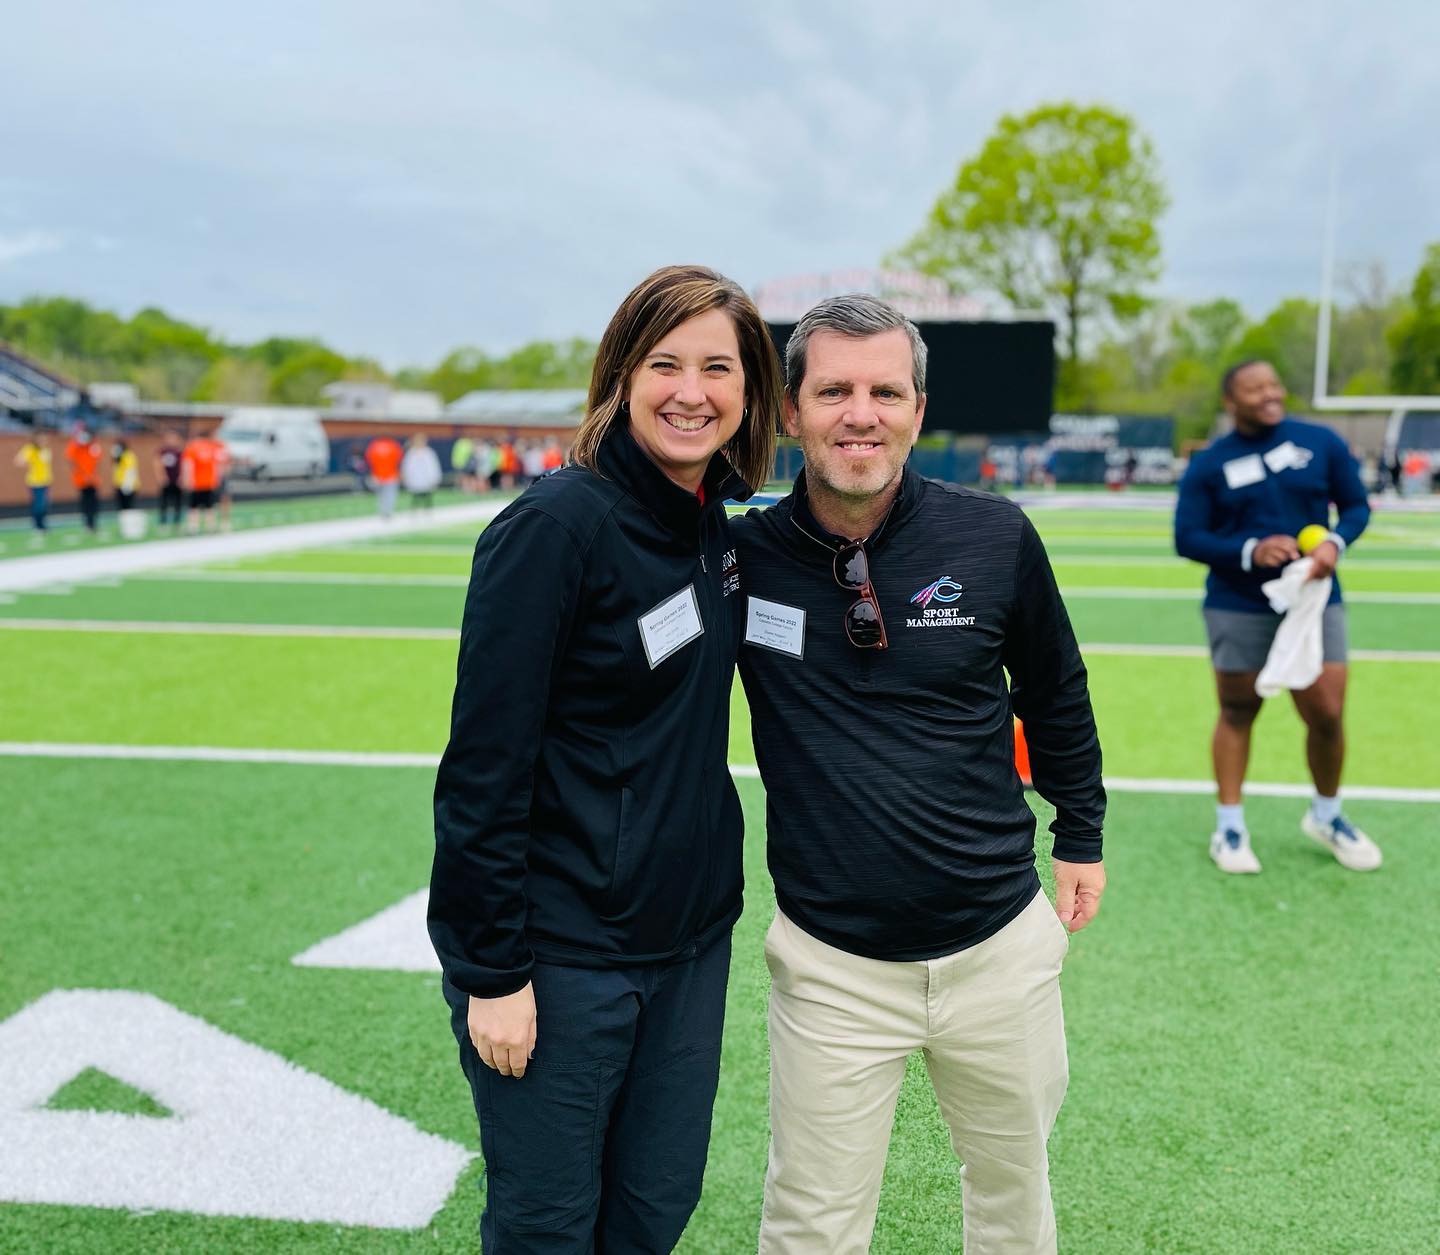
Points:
(1084, 593)
(187, 576)
(1202, 651)
(164, 628)
(741, 771)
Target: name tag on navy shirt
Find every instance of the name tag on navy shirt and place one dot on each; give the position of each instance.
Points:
(1242, 471)
(674, 623)
(772, 625)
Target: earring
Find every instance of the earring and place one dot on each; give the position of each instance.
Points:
(745, 416)
(625, 408)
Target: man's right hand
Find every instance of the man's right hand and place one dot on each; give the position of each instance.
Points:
(1275, 551)
(502, 1030)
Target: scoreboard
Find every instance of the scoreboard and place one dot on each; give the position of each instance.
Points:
(991, 378)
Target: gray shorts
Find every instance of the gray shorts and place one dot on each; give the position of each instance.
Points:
(1240, 640)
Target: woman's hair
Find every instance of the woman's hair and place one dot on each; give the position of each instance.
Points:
(658, 304)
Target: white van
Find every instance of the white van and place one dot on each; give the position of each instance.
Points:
(275, 442)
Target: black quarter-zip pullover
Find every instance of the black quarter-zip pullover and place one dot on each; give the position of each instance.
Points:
(897, 826)
(584, 812)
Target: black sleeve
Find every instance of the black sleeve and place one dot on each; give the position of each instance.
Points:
(524, 587)
(1049, 693)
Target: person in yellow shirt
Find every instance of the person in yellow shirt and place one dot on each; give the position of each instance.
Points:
(37, 461)
(126, 473)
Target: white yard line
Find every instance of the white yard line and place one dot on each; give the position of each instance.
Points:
(1201, 651)
(215, 754)
(166, 628)
(411, 551)
(741, 771)
(1078, 593)
(24, 574)
(187, 575)
(1170, 560)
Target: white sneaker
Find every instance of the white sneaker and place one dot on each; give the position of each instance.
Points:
(1351, 847)
(1231, 851)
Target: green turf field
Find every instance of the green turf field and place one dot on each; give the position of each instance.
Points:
(1253, 1058)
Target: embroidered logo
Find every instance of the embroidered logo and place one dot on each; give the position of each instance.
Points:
(943, 590)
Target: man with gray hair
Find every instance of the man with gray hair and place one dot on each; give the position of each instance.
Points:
(883, 611)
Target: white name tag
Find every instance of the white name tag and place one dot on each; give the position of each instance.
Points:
(1284, 456)
(673, 624)
(1242, 471)
(774, 626)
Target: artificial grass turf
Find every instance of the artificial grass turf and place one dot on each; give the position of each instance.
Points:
(1412, 576)
(1103, 617)
(1155, 714)
(1251, 1065)
(202, 601)
(346, 562)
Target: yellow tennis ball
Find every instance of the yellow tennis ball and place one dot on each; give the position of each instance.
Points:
(1312, 537)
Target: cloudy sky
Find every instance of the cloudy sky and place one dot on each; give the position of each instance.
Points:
(401, 179)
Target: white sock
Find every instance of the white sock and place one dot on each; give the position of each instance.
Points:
(1325, 808)
(1228, 817)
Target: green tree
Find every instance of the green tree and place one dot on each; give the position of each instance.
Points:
(300, 377)
(1415, 335)
(1056, 213)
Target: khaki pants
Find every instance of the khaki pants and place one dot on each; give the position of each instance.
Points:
(841, 1027)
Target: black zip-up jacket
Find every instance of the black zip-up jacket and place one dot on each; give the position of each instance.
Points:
(897, 825)
(584, 812)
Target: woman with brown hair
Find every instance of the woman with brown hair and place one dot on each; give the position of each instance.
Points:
(588, 835)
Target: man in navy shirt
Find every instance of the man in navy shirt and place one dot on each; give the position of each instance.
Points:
(1243, 501)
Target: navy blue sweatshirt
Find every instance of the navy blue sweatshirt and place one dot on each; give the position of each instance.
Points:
(1241, 489)
(584, 811)
(897, 826)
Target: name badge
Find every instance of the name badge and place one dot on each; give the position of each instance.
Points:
(1240, 472)
(673, 624)
(774, 626)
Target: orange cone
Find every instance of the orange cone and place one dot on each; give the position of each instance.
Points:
(1022, 755)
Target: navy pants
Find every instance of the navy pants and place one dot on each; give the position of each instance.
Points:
(39, 504)
(601, 1145)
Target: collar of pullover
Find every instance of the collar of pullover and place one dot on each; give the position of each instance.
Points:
(805, 522)
(622, 460)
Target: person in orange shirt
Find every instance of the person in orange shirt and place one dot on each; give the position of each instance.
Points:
(383, 456)
(200, 477)
(83, 454)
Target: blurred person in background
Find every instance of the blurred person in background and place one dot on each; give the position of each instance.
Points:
(38, 462)
(125, 473)
(1242, 503)
(462, 462)
(83, 454)
(168, 460)
(200, 478)
(383, 456)
(420, 472)
(532, 461)
(587, 866)
(553, 458)
(507, 464)
(486, 463)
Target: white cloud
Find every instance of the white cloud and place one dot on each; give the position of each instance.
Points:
(28, 244)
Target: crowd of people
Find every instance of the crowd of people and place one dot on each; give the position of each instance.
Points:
(491, 466)
(192, 477)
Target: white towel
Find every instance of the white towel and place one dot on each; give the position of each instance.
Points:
(1297, 652)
